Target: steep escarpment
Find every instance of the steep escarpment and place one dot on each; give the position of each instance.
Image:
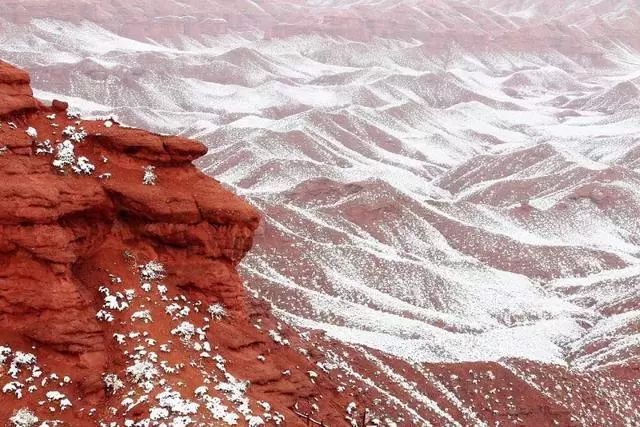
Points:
(119, 296)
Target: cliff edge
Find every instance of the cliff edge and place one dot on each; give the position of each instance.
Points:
(119, 297)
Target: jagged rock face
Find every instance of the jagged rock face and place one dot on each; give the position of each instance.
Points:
(110, 257)
(15, 91)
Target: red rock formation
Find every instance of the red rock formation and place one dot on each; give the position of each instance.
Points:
(15, 91)
(75, 238)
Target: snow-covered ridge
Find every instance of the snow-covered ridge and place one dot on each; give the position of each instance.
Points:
(432, 192)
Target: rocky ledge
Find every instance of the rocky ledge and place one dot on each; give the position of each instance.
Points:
(120, 303)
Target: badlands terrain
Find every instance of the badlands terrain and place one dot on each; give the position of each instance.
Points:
(449, 190)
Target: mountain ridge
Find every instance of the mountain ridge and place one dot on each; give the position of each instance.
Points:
(457, 186)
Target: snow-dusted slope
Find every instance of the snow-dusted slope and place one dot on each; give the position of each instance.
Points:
(441, 180)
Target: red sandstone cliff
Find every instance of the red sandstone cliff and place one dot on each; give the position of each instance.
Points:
(119, 296)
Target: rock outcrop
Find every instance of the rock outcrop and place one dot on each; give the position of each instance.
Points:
(119, 296)
(15, 92)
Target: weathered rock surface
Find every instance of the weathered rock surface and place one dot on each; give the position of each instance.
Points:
(70, 240)
(15, 91)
